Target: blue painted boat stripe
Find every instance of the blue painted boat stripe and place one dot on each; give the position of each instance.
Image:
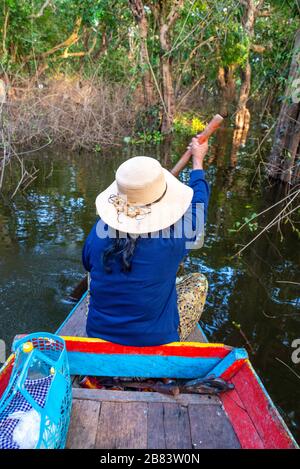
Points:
(226, 362)
(146, 366)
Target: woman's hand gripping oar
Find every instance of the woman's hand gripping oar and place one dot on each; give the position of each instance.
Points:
(213, 125)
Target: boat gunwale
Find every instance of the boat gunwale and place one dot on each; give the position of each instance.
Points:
(280, 427)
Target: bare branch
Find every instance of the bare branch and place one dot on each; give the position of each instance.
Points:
(288, 366)
(4, 34)
(72, 39)
(258, 48)
(264, 13)
(41, 12)
(174, 13)
(190, 57)
(137, 9)
(190, 90)
(67, 54)
(282, 215)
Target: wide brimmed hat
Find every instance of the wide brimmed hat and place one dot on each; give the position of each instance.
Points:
(144, 198)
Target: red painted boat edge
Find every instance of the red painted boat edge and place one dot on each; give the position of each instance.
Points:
(251, 397)
(242, 424)
(5, 373)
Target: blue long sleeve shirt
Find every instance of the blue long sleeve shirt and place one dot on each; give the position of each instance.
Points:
(140, 307)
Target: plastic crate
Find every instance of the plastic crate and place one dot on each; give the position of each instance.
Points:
(40, 391)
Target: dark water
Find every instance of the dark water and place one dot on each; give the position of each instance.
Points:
(42, 232)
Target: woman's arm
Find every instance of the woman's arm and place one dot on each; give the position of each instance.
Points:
(199, 152)
(197, 178)
(196, 215)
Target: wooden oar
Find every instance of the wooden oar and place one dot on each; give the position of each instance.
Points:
(79, 290)
(213, 125)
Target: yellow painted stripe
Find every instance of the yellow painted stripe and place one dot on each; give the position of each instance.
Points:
(5, 365)
(172, 344)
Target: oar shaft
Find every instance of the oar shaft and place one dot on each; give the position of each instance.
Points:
(213, 125)
(79, 290)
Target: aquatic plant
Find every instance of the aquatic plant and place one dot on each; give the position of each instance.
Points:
(144, 137)
(188, 124)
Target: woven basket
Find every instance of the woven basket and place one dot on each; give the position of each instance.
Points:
(39, 394)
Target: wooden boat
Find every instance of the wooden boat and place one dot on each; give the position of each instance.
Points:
(244, 417)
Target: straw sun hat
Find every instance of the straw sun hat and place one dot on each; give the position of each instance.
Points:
(144, 198)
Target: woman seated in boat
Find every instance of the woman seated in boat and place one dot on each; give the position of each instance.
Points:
(149, 221)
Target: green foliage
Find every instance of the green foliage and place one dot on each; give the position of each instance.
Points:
(97, 148)
(276, 32)
(246, 221)
(114, 66)
(235, 49)
(147, 120)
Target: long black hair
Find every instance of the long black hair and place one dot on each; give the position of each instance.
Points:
(122, 248)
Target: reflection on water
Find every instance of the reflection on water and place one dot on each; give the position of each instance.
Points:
(42, 232)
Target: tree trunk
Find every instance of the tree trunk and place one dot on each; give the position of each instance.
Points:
(227, 84)
(238, 139)
(242, 119)
(138, 12)
(168, 94)
(166, 13)
(285, 153)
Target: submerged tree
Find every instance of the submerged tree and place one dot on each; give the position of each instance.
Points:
(285, 155)
(251, 12)
(232, 48)
(166, 13)
(139, 14)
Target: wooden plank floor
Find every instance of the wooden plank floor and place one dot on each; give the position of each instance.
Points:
(124, 419)
(76, 323)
